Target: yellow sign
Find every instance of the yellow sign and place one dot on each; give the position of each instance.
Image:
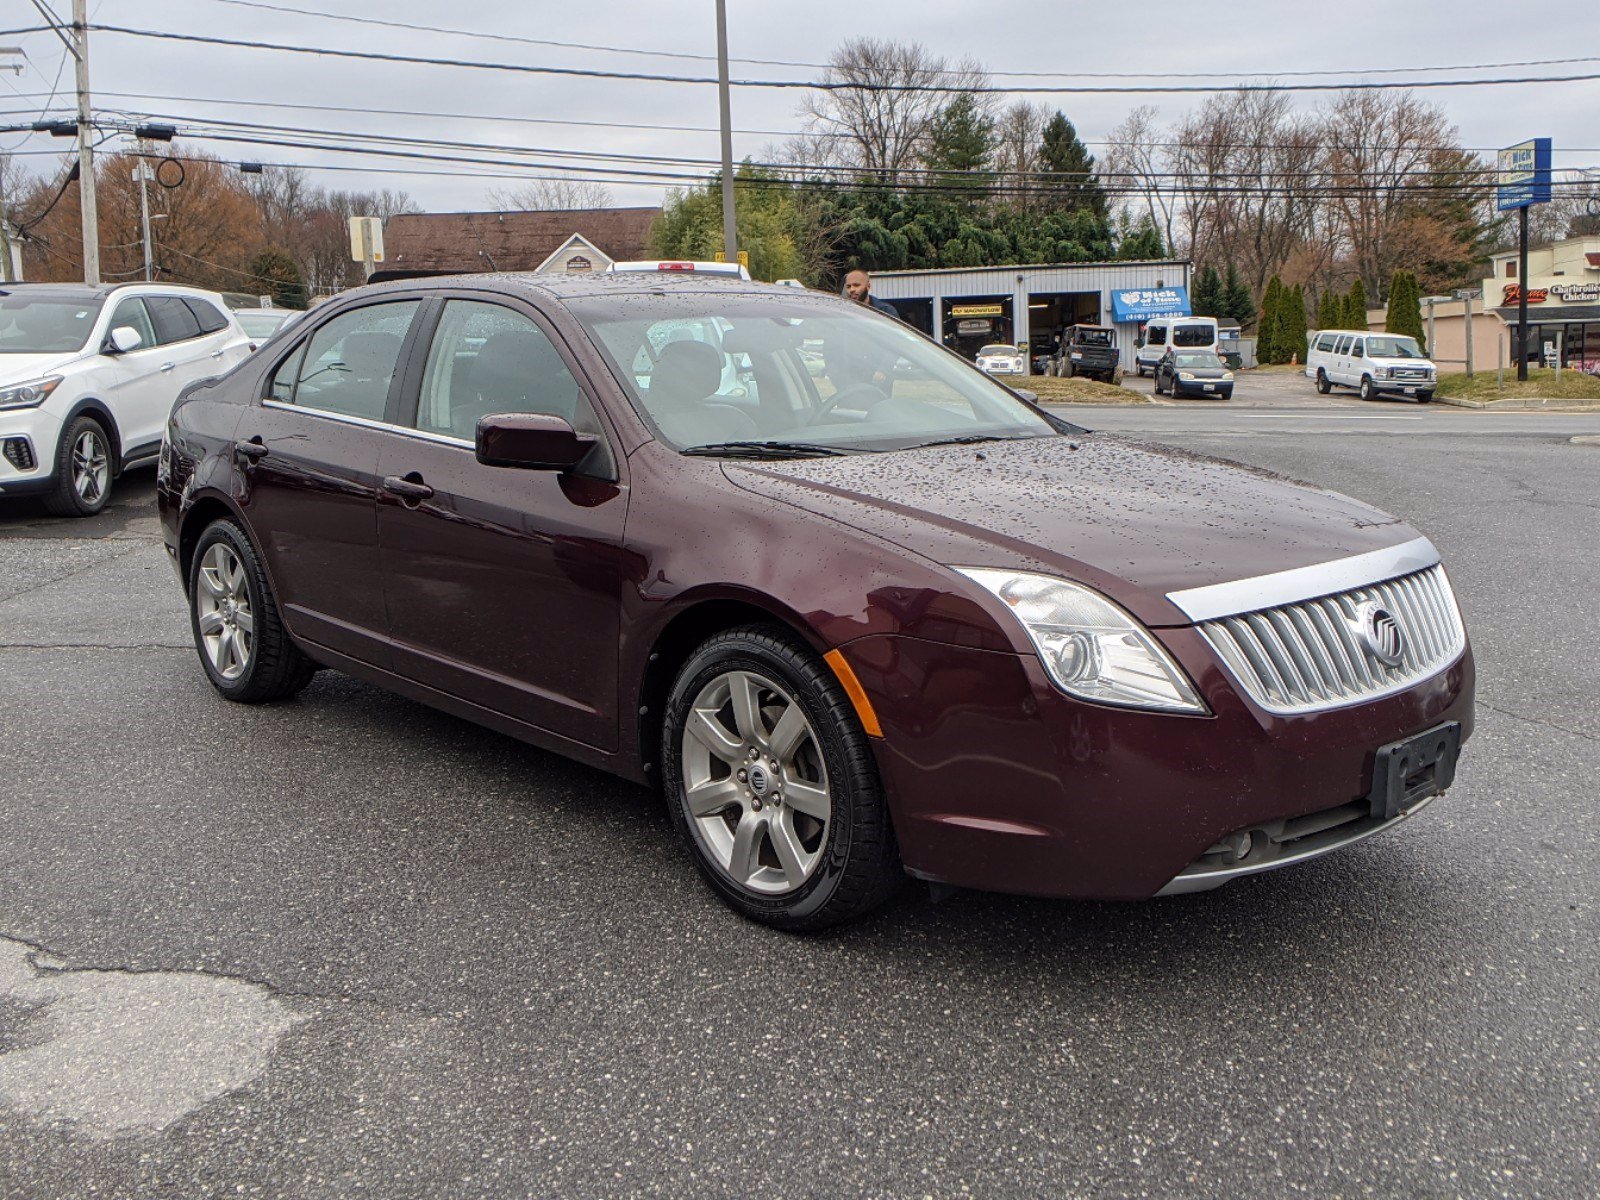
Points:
(976, 310)
(744, 258)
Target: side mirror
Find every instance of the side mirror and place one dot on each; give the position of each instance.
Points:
(533, 441)
(1030, 397)
(125, 338)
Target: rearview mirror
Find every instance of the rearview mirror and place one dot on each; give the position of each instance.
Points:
(125, 338)
(533, 441)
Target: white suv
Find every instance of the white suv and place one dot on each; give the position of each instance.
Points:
(88, 376)
(1376, 364)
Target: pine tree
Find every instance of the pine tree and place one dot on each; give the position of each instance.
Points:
(1209, 299)
(1062, 153)
(1355, 306)
(1236, 301)
(1267, 330)
(1141, 241)
(1292, 325)
(1404, 315)
(276, 271)
(961, 139)
(1330, 310)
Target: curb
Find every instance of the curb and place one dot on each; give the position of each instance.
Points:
(1532, 404)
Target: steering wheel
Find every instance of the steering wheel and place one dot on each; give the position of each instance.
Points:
(868, 395)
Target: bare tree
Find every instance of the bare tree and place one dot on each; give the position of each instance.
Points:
(884, 129)
(542, 194)
(1136, 169)
(1019, 132)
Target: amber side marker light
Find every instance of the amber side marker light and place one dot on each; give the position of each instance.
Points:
(857, 693)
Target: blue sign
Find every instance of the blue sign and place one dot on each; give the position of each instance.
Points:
(1523, 175)
(1143, 303)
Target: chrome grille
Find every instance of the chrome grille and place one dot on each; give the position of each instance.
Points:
(1309, 655)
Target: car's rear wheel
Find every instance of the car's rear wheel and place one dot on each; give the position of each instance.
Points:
(772, 783)
(83, 470)
(1324, 385)
(241, 639)
(1368, 392)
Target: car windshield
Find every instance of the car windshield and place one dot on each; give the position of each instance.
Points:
(1092, 337)
(767, 371)
(1393, 347)
(260, 324)
(996, 350)
(1199, 362)
(1193, 335)
(39, 325)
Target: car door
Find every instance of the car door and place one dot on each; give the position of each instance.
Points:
(138, 393)
(503, 585)
(223, 344)
(1356, 364)
(1339, 367)
(308, 452)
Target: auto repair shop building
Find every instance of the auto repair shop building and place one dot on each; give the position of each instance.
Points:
(1030, 305)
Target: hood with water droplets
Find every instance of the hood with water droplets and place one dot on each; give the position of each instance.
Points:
(1135, 521)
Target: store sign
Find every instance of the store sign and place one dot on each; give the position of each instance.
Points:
(1145, 303)
(1568, 293)
(579, 265)
(976, 310)
(1523, 175)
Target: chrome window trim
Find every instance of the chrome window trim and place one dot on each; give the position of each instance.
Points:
(366, 423)
(1304, 583)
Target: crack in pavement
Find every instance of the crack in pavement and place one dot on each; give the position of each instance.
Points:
(1506, 712)
(133, 548)
(121, 1052)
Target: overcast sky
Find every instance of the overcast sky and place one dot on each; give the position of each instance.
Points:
(1243, 37)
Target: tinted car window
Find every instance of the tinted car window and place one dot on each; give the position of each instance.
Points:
(131, 312)
(349, 362)
(174, 321)
(1358, 350)
(1158, 335)
(1193, 335)
(1325, 342)
(487, 358)
(211, 321)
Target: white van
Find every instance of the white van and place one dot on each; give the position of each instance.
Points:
(1163, 333)
(1375, 364)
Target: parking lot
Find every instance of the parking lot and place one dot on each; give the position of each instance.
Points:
(348, 945)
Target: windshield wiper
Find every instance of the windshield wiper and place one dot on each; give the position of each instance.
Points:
(766, 449)
(969, 439)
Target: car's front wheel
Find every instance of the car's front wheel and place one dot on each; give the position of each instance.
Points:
(1368, 392)
(83, 470)
(241, 639)
(772, 783)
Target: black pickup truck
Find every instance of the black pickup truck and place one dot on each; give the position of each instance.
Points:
(1089, 350)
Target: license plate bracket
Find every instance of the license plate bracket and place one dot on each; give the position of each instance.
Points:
(1407, 772)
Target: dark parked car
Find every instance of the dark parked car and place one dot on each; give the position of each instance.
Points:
(855, 625)
(1089, 350)
(1194, 373)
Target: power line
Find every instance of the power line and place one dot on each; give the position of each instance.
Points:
(826, 85)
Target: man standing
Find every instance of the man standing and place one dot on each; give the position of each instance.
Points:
(858, 286)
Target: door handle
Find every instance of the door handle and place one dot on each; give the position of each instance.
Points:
(216, 354)
(168, 366)
(252, 450)
(409, 489)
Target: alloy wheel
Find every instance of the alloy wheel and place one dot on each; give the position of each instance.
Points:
(755, 785)
(223, 613)
(91, 467)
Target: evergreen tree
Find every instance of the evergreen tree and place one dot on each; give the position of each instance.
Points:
(1141, 241)
(961, 140)
(1267, 334)
(1355, 306)
(1208, 299)
(1236, 299)
(1062, 153)
(1404, 314)
(1330, 310)
(1292, 325)
(276, 271)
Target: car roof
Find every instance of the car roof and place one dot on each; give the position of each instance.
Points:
(98, 291)
(577, 287)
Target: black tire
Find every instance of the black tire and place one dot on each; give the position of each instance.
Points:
(1368, 392)
(1424, 397)
(1324, 385)
(859, 864)
(68, 500)
(274, 668)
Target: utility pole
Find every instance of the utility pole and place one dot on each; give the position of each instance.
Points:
(1522, 295)
(6, 273)
(77, 44)
(141, 176)
(730, 229)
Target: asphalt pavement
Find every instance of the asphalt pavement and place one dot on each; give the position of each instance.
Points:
(347, 946)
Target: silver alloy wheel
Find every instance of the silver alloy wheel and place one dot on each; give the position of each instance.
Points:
(755, 783)
(91, 467)
(222, 611)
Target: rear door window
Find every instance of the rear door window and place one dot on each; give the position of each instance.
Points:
(347, 364)
(209, 318)
(174, 320)
(1193, 335)
(1343, 347)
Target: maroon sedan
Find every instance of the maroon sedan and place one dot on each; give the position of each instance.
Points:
(861, 610)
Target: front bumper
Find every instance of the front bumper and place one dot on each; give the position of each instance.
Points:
(998, 781)
(27, 452)
(1220, 389)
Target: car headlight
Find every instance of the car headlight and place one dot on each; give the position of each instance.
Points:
(1382, 372)
(1186, 376)
(29, 395)
(1227, 377)
(1090, 647)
